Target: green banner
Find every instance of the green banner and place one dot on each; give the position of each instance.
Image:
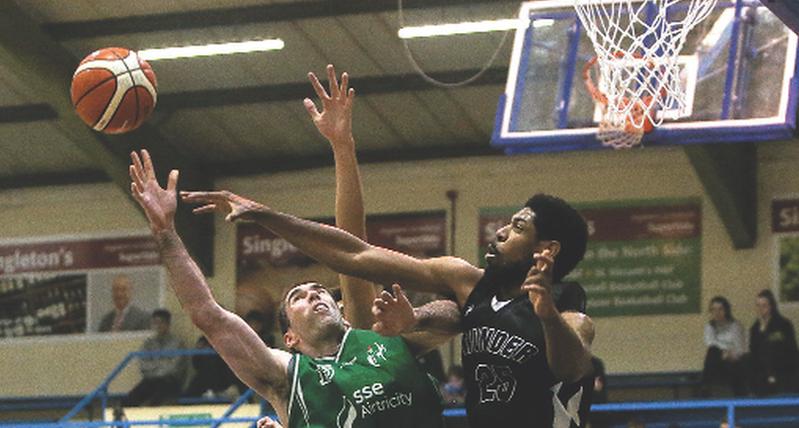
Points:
(181, 419)
(643, 257)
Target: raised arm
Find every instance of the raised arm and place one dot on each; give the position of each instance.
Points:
(343, 252)
(334, 122)
(568, 336)
(260, 367)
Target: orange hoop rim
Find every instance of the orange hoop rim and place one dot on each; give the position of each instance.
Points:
(641, 105)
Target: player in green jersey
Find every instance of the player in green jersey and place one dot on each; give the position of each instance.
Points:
(340, 377)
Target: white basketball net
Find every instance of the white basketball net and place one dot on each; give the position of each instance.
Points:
(637, 43)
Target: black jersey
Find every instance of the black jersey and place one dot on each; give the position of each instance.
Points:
(508, 380)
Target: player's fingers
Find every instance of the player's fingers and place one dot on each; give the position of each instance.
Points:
(333, 81)
(149, 169)
(380, 305)
(204, 209)
(317, 87)
(136, 163)
(534, 288)
(134, 176)
(345, 81)
(310, 107)
(400, 295)
(172, 182)
(202, 197)
(135, 192)
(385, 295)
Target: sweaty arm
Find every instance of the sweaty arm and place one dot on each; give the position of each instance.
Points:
(343, 252)
(260, 367)
(334, 122)
(347, 254)
(263, 369)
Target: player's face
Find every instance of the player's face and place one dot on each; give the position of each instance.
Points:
(515, 242)
(309, 305)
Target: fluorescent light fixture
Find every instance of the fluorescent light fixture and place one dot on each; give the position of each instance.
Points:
(469, 27)
(212, 49)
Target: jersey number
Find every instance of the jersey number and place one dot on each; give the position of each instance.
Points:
(496, 382)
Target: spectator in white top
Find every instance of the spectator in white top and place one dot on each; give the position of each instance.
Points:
(725, 341)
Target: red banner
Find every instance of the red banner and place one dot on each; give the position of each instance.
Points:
(54, 256)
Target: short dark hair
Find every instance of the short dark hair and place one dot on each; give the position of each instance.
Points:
(725, 304)
(768, 295)
(164, 314)
(557, 220)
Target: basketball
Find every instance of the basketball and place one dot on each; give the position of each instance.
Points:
(113, 90)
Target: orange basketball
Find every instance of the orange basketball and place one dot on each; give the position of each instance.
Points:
(113, 90)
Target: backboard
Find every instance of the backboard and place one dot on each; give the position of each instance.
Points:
(738, 67)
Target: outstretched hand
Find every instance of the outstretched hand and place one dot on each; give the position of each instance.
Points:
(393, 314)
(231, 205)
(538, 285)
(334, 122)
(267, 422)
(159, 204)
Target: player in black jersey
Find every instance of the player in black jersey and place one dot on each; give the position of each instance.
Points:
(525, 359)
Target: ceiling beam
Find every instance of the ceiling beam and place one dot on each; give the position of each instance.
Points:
(275, 12)
(367, 85)
(46, 68)
(205, 98)
(25, 181)
(728, 173)
(298, 163)
(27, 113)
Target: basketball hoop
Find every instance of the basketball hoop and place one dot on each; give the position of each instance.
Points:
(637, 44)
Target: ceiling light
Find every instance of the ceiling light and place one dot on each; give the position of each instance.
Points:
(469, 27)
(212, 49)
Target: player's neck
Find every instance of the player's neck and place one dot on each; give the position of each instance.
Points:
(327, 344)
(508, 280)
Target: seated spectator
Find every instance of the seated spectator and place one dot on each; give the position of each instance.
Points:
(724, 338)
(211, 375)
(772, 345)
(162, 377)
(454, 391)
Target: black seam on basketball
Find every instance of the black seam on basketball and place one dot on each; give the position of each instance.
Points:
(121, 99)
(102, 112)
(93, 87)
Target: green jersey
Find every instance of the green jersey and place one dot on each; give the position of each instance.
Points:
(374, 381)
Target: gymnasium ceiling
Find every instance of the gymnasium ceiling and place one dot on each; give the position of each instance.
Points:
(242, 114)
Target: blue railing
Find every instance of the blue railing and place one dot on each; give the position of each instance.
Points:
(101, 392)
(639, 409)
(729, 407)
